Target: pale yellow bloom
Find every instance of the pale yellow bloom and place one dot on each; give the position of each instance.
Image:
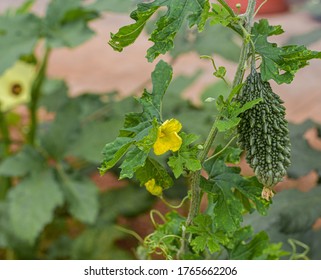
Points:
(15, 85)
(167, 137)
(153, 188)
(267, 193)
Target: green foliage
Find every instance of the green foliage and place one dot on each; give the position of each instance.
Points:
(13, 41)
(304, 157)
(166, 27)
(279, 63)
(186, 157)
(49, 206)
(31, 204)
(229, 204)
(293, 220)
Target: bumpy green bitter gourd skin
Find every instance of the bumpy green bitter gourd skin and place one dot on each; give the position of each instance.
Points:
(263, 131)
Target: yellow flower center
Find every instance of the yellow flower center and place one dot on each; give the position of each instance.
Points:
(167, 137)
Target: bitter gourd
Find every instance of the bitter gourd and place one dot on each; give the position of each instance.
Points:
(263, 131)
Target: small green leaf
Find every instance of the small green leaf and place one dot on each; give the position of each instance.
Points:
(186, 158)
(31, 205)
(220, 73)
(82, 198)
(225, 125)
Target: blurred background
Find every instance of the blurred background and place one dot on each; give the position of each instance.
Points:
(92, 68)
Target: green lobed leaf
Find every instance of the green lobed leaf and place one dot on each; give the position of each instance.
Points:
(229, 206)
(205, 236)
(135, 159)
(167, 26)
(161, 77)
(82, 198)
(31, 205)
(16, 41)
(279, 63)
(154, 170)
(26, 161)
(186, 158)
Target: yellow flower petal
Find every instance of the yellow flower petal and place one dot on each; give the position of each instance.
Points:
(153, 188)
(15, 85)
(167, 137)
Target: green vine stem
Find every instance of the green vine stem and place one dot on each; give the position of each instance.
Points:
(35, 96)
(5, 134)
(196, 176)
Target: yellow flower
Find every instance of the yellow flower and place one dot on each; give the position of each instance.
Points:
(15, 85)
(167, 137)
(153, 188)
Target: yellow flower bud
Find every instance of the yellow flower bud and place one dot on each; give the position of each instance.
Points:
(153, 188)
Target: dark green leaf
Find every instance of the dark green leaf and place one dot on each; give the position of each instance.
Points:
(114, 151)
(161, 77)
(135, 159)
(154, 170)
(82, 198)
(229, 205)
(251, 250)
(166, 27)
(16, 41)
(31, 205)
(28, 160)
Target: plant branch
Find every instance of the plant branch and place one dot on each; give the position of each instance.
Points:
(5, 134)
(196, 176)
(35, 96)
